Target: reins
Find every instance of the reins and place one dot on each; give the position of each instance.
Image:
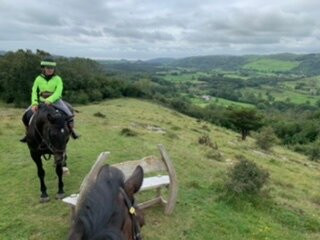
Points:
(48, 144)
(132, 212)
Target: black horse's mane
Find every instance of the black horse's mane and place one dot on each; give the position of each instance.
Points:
(100, 206)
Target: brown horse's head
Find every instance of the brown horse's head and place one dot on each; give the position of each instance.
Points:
(108, 210)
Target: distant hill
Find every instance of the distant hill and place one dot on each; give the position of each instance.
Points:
(305, 64)
(2, 52)
(161, 60)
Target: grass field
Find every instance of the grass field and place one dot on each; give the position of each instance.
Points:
(283, 94)
(218, 101)
(271, 65)
(183, 77)
(291, 210)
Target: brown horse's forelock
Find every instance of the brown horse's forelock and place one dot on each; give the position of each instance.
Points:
(101, 208)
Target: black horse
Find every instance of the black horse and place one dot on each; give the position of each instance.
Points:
(106, 209)
(48, 134)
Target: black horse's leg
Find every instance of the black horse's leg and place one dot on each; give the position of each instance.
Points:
(59, 172)
(41, 173)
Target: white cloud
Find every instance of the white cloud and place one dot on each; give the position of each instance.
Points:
(147, 29)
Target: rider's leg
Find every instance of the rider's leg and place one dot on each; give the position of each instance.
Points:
(67, 109)
(25, 119)
(72, 130)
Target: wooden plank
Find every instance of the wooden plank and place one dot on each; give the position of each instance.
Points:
(173, 187)
(149, 164)
(154, 182)
(71, 200)
(150, 203)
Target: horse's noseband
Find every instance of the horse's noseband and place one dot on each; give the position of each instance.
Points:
(132, 212)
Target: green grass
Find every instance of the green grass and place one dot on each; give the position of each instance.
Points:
(183, 77)
(290, 212)
(283, 94)
(219, 101)
(271, 65)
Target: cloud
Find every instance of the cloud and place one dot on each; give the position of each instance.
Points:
(146, 29)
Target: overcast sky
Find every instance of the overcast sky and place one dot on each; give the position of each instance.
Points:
(137, 29)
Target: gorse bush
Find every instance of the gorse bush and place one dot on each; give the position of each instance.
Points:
(246, 178)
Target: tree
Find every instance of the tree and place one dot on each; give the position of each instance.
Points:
(245, 120)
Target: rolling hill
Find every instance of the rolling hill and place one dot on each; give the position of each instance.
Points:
(290, 210)
(302, 64)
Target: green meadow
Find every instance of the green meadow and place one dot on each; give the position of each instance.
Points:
(283, 94)
(271, 65)
(289, 208)
(218, 101)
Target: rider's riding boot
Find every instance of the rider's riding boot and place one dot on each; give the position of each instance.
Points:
(74, 134)
(24, 139)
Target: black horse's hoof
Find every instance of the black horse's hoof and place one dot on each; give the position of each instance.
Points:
(60, 196)
(44, 199)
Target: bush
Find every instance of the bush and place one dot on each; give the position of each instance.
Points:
(246, 178)
(205, 140)
(128, 132)
(314, 151)
(266, 138)
(99, 114)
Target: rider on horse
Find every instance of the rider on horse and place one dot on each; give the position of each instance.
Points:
(47, 88)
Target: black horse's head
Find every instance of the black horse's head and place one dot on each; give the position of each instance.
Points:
(51, 131)
(56, 133)
(108, 210)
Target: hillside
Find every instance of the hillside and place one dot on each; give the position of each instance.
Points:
(291, 211)
(301, 64)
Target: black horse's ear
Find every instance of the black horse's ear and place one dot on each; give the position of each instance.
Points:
(50, 118)
(134, 182)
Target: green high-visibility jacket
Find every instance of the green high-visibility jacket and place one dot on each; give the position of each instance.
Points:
(53, 85)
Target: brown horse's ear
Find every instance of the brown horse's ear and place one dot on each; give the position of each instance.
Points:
(134, 182)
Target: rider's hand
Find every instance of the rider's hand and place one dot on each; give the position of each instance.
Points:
(34, 108)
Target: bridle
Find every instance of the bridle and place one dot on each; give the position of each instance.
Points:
(48, 143)
(132, 212)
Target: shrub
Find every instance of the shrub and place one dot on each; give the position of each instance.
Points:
(246, 178)
(314, 151)
(128, 132)
(266, 138)
(206, 140)
(99, 114)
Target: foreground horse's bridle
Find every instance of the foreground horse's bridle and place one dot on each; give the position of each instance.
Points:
(49, 145)
(132, 212)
